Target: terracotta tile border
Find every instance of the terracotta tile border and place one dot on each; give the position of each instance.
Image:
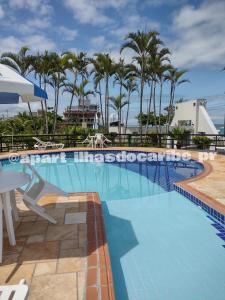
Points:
(99, 283)
(184, 184)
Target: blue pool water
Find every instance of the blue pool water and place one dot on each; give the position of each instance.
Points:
(162, 246)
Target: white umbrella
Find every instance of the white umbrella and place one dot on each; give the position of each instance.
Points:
(13, 86)
(13, 83)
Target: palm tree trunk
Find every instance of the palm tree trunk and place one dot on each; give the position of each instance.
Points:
(121, 86)
(160, 107)
(32, 117)
(42, 107)
(100, 100)
(107, 104)
(170, 103)
(82, 108)
(43, 112)
(128, 108)
(119, 127)
(70, 106)
(72, 96)
(46, 116)
(149, 107)
(56, 110)
(46, 110)
(141, 104)
(154, 105)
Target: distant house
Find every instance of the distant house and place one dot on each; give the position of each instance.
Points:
(192, 114)
(84, 114)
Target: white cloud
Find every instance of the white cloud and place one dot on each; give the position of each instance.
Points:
(93, 11)
(164, 2)
(32, 25)
(41, 7)
(200, 35)
(35, 42)
(133, 23)
(2, 13)
(67, 34)
(86, 12)
(39, 43)
(100, 43)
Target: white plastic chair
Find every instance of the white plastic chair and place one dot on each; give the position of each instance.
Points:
(40, 145)
(3, 208)
(101, 140)
(36, 189)
(12, 200)
(89, 141)
(14, 292)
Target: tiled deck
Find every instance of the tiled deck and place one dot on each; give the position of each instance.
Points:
(60, 261)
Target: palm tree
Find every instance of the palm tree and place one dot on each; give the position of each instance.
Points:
(83, 94)
(20, 62)
(161, 79)
(155, 69)
(174, 76)
(51, 63)
(131, 87)
(141, 43)
(56, 80)
(39, 68)
(98, 77)
(82, 63)
(122, 72)
(71, 89)
(72, 63)
(117, 104)
(107, 68)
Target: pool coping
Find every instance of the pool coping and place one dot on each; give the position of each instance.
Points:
(207, 203)
(99, 283)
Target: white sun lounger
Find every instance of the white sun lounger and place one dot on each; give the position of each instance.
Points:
(14, 292)
(41, 145)
(36, 189)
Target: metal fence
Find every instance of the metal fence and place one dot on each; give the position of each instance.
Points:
(25, 142)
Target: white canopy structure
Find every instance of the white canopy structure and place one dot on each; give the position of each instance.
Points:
(13, 85)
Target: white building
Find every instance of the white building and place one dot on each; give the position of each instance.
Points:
(192, 114)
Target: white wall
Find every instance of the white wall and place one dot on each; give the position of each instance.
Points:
(195, 111)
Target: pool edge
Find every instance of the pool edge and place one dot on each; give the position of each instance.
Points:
(99, 283)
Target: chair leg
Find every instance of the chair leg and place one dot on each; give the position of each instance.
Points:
(41, 212)
(13, 205)
(8, 219)
(1, 229)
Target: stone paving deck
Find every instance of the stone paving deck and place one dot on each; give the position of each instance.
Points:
(52, 258)
(69, 260)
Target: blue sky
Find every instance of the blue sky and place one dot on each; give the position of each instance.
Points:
(193, 30)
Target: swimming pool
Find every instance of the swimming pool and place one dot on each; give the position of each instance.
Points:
(162, 247)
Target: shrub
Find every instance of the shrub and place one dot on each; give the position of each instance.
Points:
(202, 142)
(179, 134)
